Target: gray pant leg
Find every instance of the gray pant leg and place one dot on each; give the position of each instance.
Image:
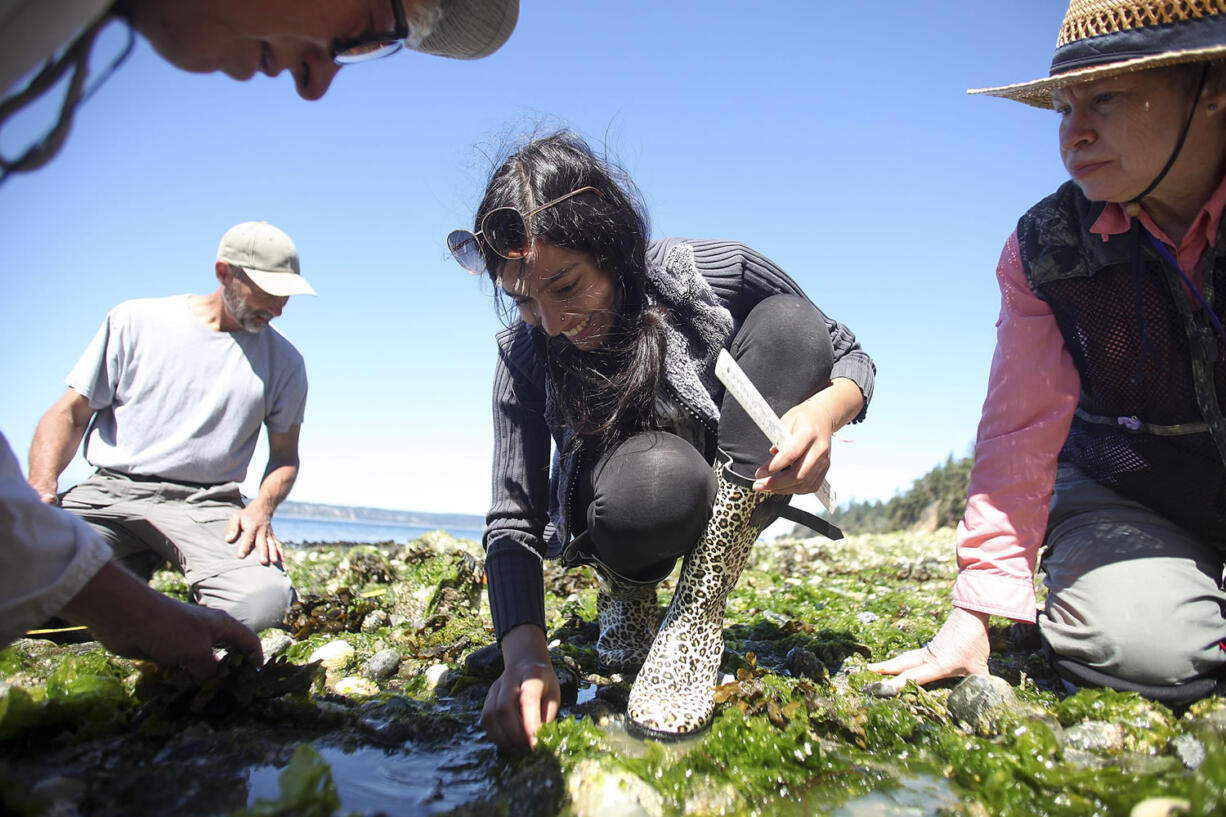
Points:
(1129, 593)
(187, 526)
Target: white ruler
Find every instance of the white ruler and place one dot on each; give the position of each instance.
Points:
(755, 405)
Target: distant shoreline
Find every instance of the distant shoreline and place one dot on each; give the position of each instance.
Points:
(351, 513)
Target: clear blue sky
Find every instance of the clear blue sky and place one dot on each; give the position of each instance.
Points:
(835, 138)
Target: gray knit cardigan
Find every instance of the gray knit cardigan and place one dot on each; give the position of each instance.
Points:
(526, 522)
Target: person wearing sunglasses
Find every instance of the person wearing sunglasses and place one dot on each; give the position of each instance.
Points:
(311, 39)
(1102, 443)
(608, 361)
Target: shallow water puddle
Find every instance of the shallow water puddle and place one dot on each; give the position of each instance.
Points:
(402, 782)
(915, 797)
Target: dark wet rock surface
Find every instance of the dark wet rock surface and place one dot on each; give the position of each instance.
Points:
(370, 704)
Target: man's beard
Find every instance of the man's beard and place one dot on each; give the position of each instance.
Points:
(249, 319)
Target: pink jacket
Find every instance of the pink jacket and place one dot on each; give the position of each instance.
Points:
(1033, 388)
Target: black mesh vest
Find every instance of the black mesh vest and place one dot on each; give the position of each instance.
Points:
(1153, 375)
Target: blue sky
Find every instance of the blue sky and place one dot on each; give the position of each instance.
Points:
(837, 139)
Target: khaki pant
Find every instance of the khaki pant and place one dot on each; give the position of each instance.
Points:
(1129, 593)
(146, 522)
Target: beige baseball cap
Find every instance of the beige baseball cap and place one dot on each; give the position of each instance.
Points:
(465, 29)
(267, 255)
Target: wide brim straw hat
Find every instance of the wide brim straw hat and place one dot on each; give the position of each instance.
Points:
(1106, 38)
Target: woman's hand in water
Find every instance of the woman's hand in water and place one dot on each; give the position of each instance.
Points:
(526, 695)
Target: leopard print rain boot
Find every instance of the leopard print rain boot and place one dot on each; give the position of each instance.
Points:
(673, 697)
(628, 616)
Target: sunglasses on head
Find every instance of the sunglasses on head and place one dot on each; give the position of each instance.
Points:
(504, 231)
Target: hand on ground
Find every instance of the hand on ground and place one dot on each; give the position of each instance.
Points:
(961, 647)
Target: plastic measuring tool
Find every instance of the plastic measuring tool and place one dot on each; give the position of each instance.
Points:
(739, 386)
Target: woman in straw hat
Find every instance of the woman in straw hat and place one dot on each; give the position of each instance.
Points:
(1102, 436)
(608, 360)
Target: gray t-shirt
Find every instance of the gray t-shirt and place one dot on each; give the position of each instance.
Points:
(178, 400)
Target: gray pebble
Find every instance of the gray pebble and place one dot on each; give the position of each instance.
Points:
(979, 701)
(275, 644)
(381, 665)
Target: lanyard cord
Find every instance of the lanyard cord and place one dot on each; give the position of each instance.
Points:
(1213, 318)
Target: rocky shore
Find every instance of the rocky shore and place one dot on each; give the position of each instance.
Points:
(370, 700)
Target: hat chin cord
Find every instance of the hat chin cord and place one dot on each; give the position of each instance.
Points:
(1148, 358)
(1133, 207)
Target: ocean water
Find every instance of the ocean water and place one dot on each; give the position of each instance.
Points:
(295, 530)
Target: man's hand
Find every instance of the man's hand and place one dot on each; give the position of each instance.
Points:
(251, 528)
(135, 621)
(526, 695)
(961, 647)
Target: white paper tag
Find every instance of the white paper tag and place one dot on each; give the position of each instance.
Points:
(739, 386)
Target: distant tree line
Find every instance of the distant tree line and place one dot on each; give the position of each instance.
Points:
(937, 499)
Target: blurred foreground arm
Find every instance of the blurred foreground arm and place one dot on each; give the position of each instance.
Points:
(135, 621)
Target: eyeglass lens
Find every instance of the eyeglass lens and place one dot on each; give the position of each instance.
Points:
(368, 51)
(466, 250)
(504, 231)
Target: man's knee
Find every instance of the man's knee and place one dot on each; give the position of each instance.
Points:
(258, 595)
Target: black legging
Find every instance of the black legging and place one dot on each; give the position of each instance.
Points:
(648, 499)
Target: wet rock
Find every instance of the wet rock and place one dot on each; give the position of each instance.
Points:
(335, 655)
(866, 617)
(708, 798)
(1083, 759)
(63, 794)
(1189, 750)
(615, 695)
(353, 685)
(435, 675)
(275, 644)
(568, 680)
(1096, 736)
(885, 688)
(802, 663)
(980, 702)
(365, 565)
(1161, 807)
(382, 665)
(599, 792)
(374, 620)
(485, 663)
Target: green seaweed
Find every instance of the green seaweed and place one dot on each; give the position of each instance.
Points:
(794, 732)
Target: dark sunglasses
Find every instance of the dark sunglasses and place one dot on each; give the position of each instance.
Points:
(373, 46)
(505, 231)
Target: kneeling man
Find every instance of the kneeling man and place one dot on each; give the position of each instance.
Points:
(173, 392)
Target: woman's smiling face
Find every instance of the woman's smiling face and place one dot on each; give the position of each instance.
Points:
(563, 292)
